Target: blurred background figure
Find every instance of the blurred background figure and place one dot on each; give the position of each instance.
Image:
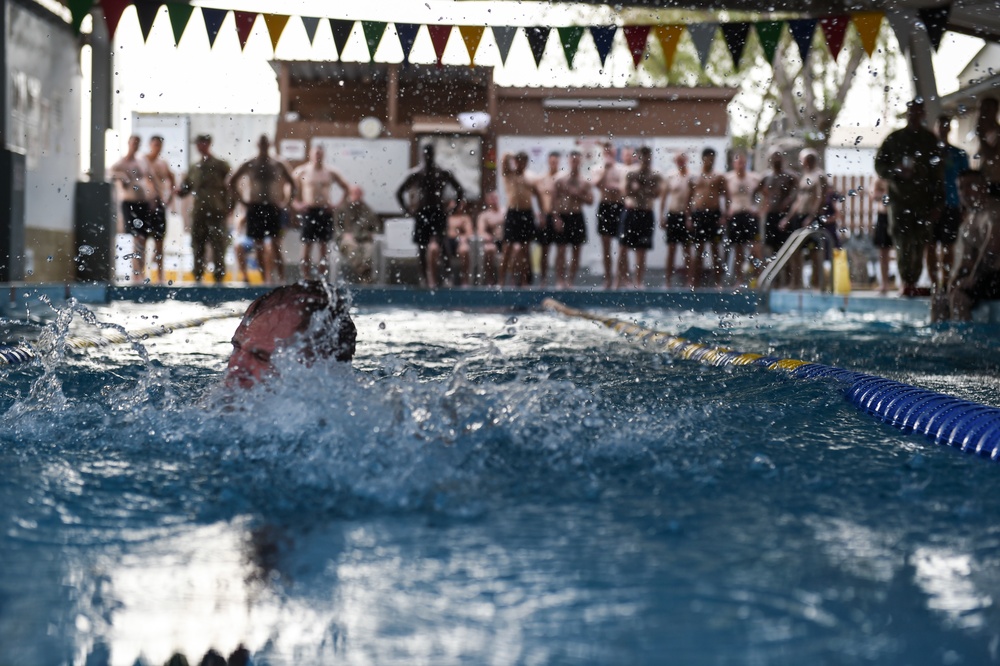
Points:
(356, 226)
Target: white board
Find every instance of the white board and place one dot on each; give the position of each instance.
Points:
(378, 166)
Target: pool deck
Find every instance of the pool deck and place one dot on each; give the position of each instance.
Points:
(20, 300)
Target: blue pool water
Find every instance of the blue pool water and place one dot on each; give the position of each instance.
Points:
(482, 488)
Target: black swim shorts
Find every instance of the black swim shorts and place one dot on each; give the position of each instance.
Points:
(676, 231)
(428, 223)
(609, 218)
(743, 227)
(317, 225)
(263, 221)
(637, 229)
(135, 216)
(519, 226)
(705, 225)
(882, 238)
(574, 231)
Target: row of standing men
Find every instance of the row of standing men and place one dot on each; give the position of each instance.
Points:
(272, 196)
(703, 215)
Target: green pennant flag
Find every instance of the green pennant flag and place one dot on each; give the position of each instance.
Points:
(79, 9)
(179, 17)
(769, 34)
(373, 35)
(570, 40)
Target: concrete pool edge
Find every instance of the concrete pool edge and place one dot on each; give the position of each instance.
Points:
(22, 299)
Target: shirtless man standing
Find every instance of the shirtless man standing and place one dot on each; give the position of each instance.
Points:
(489, 228)
(163, 181)
(674, 204)
(270, 188)
(519, 223)
(988, 133)
(546, 235)
(809, 196)
(708, 194)
(642, 189)
(572, 193)
(459, 234)
(777, 189)
(427, 188)
(313, 181)
(610, 184)
(742, 222)
(136, 190)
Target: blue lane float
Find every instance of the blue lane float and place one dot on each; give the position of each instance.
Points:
(19, 354)
(962, 424)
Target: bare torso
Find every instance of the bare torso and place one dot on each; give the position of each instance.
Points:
(643, 188)
(572, 193)
(611, 183)
(520, 191)
(707, 191)
(315, 185)
(676, 191)
(740, 189)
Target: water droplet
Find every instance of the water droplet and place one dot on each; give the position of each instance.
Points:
(85, 250)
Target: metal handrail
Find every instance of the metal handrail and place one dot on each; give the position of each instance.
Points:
(785, 252)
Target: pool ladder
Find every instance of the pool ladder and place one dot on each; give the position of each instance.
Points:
(794, 243)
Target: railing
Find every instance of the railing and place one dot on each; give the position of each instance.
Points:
(794, 244)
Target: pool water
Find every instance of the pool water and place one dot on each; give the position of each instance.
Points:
(483, 488)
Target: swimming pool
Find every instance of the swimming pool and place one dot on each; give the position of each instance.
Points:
(484, 488)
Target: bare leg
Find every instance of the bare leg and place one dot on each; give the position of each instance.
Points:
(560, 266)
(158, 255)
(264, 259)
(433, 256)
(719, 269)
(947, 257)
(622, 278)
(607, 258)
(640, 269)
(883, 265)
(138, 258)
(574, 265)
(543, 273)
(278, 259)
(306, 263)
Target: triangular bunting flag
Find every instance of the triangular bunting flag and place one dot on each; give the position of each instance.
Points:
(703, 34)
(735, 35)
(802, 32)
(373, 36)
(538, 37)
(407, 34)
(146, 11)
(213, 22)
(275, 26)
(113, 13)
(935, 19)
(668, 36)
(570, 40)
(503, 35)
(769, 34)
(78, 10)
(244, 25)
(471, 35)
(341, 30)
(868, 25)
(179, 16)
(439, 39)
(604, 39)
(311, 24)
(636, 37)
(834, 28)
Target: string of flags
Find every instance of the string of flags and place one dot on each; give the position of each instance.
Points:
(736, 35)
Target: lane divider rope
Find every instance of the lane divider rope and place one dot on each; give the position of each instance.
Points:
(19, 354)
(962, 424)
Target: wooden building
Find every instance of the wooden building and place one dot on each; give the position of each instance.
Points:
(371, 118)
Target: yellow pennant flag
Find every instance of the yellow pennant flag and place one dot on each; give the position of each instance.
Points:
(471, 35)
(275, 26)
(668, 36)
(868, 25)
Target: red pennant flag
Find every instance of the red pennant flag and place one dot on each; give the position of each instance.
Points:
(834, 29)
(636, 37)
(113, 13)
(439, 38)
(244, 25)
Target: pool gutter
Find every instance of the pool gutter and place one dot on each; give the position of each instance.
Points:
(19, 300)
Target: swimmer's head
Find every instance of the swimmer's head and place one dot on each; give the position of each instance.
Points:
(299, 313)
